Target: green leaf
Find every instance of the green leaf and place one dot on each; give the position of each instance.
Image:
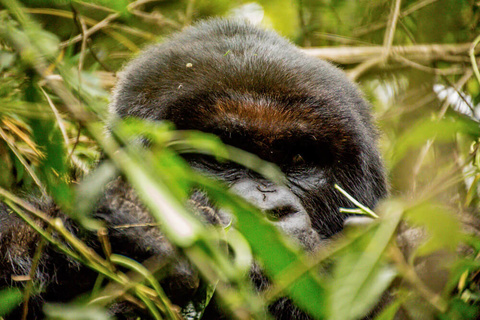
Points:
(274, 250)
(53, 167)
(460, 310)
(421, 132)
(378, 280)
(442, 226)
(360, 275)
(390, 311)
(9, 298)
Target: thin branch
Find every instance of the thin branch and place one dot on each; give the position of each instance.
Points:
(18, 154)
(421, 67)
(83, 48)
(423, 53)
(471, 52)
(102, 24)
(390, 32)
(419, 162)
(189, 12)
(31, 275)
(58, 117)
(377, 26)
(363, 67)
(411, 276)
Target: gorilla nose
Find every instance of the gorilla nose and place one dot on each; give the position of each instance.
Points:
(275, 201)
(278, 203)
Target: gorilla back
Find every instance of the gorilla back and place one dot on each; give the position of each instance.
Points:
(258, 92)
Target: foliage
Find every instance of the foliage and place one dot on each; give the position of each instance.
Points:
(54, 80)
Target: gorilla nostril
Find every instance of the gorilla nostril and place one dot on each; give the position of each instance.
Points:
(276, 214)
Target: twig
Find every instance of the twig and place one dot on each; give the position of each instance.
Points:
(471, 52)
(363, 67)
(418, 164)
(22, 160)
(83, 49)
(390, 32)
(421, 67)
(92, 22)
(365, 209)
(377, 26)
(411, 276)
(33, 269)
(425, 53)
(102, 24)
(95, 6)
(57, 116)
(189, 12)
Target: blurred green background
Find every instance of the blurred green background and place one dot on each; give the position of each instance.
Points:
(416, 63)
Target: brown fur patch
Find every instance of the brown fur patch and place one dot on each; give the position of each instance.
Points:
(262, 118)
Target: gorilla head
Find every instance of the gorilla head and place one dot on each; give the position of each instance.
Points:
(258, 92)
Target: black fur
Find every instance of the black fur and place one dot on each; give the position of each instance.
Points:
(257, 92)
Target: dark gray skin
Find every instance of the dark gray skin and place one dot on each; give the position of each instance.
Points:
(258, 92)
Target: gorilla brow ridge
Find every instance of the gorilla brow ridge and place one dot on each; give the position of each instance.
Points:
(263, 117)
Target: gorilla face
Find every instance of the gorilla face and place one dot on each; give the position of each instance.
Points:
(258, 92)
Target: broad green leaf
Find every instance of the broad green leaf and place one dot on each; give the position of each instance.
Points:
(360, 275)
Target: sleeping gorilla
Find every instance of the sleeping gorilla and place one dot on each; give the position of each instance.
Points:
(258, 92)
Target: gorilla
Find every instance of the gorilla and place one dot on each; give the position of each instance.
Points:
(256, 91)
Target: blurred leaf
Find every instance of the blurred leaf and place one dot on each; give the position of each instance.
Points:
(6, 59)
(360, 276)
(53, 166)
(443, 130)
(390, 311)
(74, 312)
(280, 15)
(188, 141)
(442, 226)
(379, 279)
(89, 191)
(272, 248)
(460, 310)
(9, 298)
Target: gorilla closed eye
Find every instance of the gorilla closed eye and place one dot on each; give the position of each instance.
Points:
(280, 212)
